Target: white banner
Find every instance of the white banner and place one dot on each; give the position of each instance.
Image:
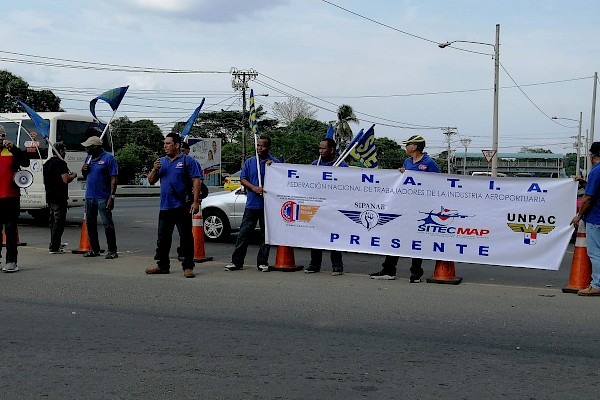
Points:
(520, 222)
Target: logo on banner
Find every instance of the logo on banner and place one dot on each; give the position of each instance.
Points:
(531, 231)
(438, 222)
(369, 218)
(292, 211)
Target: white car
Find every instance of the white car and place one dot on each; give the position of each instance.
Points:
(222, 213)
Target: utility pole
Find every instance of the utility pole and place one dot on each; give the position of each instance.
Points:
(449, 132)
(465, 143)
(239, 81)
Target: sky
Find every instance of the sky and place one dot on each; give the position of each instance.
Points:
(380, 56)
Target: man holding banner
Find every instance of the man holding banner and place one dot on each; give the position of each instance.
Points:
(11, 160)
(327, 149)
(252, 179)
(417, 160)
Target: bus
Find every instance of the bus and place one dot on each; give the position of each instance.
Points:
(69, 129)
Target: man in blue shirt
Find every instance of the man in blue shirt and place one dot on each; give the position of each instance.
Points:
(254, 212)
(180, 180)
(417, 160)
(327, 158)
(100, 171)
(589, 211)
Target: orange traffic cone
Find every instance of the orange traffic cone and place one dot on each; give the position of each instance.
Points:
(581, 266)
(84, 241)
(198, 232)
(19, 243)
(285, 261)
(444, 273)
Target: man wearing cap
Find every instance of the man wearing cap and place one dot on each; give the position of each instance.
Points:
(11, 160)
(589, 211)
(417, 160)
(100, 170)
(56, 180)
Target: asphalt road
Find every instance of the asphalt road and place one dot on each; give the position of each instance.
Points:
(76, 328)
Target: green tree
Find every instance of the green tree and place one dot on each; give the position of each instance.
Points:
(14, 86)
(299, 142)
(135, 162)
(390, 155)
(343, 132)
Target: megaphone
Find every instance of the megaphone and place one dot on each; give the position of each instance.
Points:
(23, 179)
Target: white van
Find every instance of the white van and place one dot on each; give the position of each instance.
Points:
(485, 173)
(67, 128)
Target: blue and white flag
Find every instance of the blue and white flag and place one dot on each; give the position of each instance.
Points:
(188, 126)
(365, 152)
(40, 123)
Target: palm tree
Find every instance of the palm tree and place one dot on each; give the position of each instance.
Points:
(343, 132)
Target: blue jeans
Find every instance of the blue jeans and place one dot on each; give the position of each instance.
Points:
(9, 213)
(592, 235)
(251, 217)
(58, 215)
(167, 221)
(92, 208)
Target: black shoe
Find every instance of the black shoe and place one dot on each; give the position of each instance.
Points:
(180, 258)
(415, 278)
(312, 269)
(91, 253)
(111, 255)
(383, 275)
(337, 272)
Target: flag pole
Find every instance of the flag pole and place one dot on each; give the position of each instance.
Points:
(345, 154)
(107, 125)
(257, 160)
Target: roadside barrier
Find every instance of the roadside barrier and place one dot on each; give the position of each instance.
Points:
(444, 273)
(198, 232)
(19, 243)
(581, 266)
(285, 260)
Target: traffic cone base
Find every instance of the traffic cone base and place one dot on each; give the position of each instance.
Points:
(581, 266)
(444, 273)
(198, 233)
(285, 260)
(19, 243)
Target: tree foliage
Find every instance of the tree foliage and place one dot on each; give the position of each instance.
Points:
(293, 108)
(137, 145)
(12, 86)
(390, 155)
(343, 132)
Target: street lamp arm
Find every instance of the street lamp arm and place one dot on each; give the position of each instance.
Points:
(444, 45)
(569, 119)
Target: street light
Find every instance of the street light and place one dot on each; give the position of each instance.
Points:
(577, 169)
(496, 89)
(465, 142)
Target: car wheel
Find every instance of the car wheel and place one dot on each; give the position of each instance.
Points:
(216, 226)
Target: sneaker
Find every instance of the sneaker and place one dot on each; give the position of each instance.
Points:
(63, 245)
(59, 251)
(414, 279)
(10, 267)
(232, 267)
(263, 268)
(189, 273)
(180, 258)
(337, 272)
(91, 253)
(383, 275)
(311, 269)
(111, 255)
(156, 270)
(588, 291)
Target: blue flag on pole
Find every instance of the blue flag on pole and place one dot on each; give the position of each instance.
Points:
(331, 135)
(40, 123)
(252, 119)
(113, 97)
(366, 152)
(188, 126)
